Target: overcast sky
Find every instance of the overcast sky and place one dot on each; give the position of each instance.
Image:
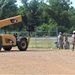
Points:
(73, 3)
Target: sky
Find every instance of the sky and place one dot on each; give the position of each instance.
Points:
(73, 3)
(19, 2)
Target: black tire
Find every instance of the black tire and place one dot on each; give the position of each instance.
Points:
(22, 45)
(7, 48)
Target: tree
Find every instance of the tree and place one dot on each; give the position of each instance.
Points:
(31, 9)
(54, 13)
(58, 10)
(8, 9)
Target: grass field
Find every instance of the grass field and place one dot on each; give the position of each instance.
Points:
(42, 44)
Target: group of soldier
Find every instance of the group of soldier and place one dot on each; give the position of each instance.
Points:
(63, 41)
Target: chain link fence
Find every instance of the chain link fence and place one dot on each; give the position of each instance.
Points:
(40, 39)
(43, 39)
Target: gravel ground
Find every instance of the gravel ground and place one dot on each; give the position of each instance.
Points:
(37, 62)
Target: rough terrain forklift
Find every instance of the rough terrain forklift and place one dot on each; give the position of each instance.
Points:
(8, 41)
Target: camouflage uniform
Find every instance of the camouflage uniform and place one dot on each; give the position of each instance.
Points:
(65, 41)
(73, 40)
(60, 41)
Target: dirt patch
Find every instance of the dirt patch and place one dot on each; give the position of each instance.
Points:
(37, 62)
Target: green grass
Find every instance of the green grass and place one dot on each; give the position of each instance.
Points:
(42, 44)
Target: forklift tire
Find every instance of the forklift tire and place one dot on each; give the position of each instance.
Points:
(7, 48)
(23, 45)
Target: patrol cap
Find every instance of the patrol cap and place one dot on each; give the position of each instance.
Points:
(60, 33)
(73, 32)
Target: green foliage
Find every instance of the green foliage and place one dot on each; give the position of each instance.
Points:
(47, 27)
(8, 9)
(72, 29)
(58, 10)
(62, 29)
(43, 27)
(44, 16)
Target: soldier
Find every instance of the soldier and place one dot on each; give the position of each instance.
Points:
(65, 41)
(60, 41)
(73, 40)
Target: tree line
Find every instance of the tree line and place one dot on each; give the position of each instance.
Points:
(45, 15)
